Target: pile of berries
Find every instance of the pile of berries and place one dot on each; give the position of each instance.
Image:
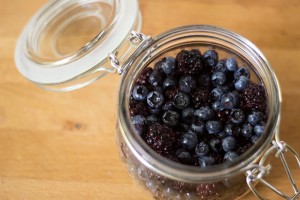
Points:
(198, 110)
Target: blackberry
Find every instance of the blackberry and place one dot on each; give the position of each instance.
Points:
(218, 158)
(224, 115)
(206, 189)
(201, 97)
(144, 76)
(243, 148)
(138, 108)
(189, 62)
(183, 187)
(161, 139)
(253, 97)
(204, 79)
(243, 145)
(171, 93)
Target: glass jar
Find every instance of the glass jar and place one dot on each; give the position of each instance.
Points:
(44, 56)
(170, 180)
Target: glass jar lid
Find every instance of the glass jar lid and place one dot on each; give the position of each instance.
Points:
(66, 43)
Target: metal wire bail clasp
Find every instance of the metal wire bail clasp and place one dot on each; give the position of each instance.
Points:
(115, 63)
(137, 38)
(256, 172)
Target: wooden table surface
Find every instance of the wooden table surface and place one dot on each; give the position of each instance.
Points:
(61, 146)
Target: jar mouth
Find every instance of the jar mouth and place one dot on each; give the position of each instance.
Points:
(65, 31)
(206, 35)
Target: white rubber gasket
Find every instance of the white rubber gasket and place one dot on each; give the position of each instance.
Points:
(41, 74)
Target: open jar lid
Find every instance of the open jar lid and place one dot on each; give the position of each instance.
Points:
(66, 43)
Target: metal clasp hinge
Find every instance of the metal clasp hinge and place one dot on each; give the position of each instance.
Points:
(135, 39)
(256, 172)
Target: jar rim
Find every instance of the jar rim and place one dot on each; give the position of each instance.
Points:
(182, 172)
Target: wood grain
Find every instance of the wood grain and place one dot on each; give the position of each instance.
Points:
(61, 146)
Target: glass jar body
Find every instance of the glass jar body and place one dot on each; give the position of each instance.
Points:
(165, 188)
(168, 180)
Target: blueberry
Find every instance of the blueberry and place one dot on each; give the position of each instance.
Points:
(255, 117)
(168, 106)
(204, 80)
(198, 126)
(188, 141)
(225, 88)
(229, 100)
(218, 78)
(187, 84)
(155, 99)
(159, 89)
(184, 156)
(187, 115)
(205, 113)
(201, 149)
(170, 118)
(231, 64)
(215, 144)
(241, 83)
(156, 78)
(140, 93)
(230, 156)
(168, 65)
(237, 116)
(169, 83)
(217, 93)
(222, 135)
(155, 111)
(247, 131)
(241, 72)
(229, 143)
(214, 126)
(139, 122)
(220, 67)
(254, 139)
(231, 129)
(216, 106)
(181, 100)
(151, 119)
(210, 58)
(206, 161)
(259, 129)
